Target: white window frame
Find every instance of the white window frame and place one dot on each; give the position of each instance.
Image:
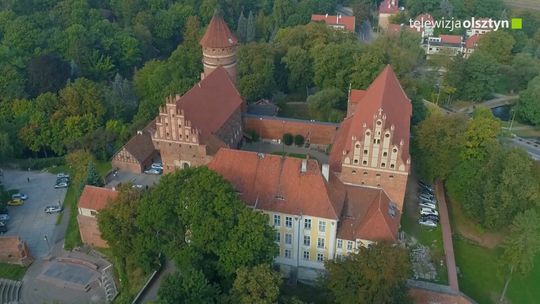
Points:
(277, 238)
(308, 239)
(277, 220)
(306, 255)
(322, 226)
(349, 245)
(339, 244)
(288, 222)
(320, 243)
(288, 238)
(307, 224)
(320, 257)
(287, 253)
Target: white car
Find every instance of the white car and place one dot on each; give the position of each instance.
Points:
(53, 209)
(19, 196)
(425, 222)
(427, 211)
(427, 205)
(4, 217)
(61, 185)
(158, 166)
(427, 200)
(62, 175)
(153, 171)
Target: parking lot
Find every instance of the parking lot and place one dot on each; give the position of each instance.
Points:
(123, 177)
(29, 221)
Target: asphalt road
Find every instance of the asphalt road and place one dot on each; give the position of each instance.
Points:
(532, 147)
(29, 221)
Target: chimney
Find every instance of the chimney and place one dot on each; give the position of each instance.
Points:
(304, 166)
(326, 171)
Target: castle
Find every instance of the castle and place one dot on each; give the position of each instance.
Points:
(320, 211)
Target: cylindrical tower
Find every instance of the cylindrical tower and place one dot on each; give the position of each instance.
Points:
(219, 47)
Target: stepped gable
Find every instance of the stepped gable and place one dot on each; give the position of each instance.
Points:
(218, 34)
(210, 103)
(385, 93)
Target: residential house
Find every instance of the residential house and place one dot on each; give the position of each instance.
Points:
(92, 200)
(340, 22)
(387, 9)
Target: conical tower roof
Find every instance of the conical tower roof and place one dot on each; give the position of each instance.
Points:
(218, 34)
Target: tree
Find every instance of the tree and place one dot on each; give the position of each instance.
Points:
(521, 245)
(528, 107)
(498, 44)
(6, 149)
(256, 70)
(377, 274)
(251, 28)
(120, 99)
(189, 286)
(522, 69)
(299, 140)
(46, 73)
(299, 65)
(287, 139)
(78, 162)
(476, 78)
(258, 284)
(92, 176)
(332, 64)
(241, 28)
(327, 105)
(481, 130)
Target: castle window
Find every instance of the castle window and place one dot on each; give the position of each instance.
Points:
(384, 154)
(357, 145)
(356, 161)
(378, 175)
(364, 162)
(392, 166)
(368, 133)
(379, 122)
(391, 176)
(365, 151)
(387, 135)
(365, 173)
(354, 172)
(394, 150)
(383, 165)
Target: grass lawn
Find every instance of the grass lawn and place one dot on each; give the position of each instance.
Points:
(521, 130)
(12, 272)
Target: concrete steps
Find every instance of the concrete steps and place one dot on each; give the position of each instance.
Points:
(10, 291)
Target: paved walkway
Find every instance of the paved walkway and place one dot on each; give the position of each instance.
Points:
(447, 237)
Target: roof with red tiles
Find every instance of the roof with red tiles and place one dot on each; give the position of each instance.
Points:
(218, 34)
(424, 17)
(275, 183)
(96, 198)
(452, 39)
(348, 22)
(368, 214)
(389, 7)
(210, 103)
(472, 42)
(385, 93)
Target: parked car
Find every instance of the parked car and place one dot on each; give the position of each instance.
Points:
(426, 211)
(4, 217)
(15, 202)
(427, 205)
(425, 191)
(158, 166)
(431, 217)
(428, 196)
(153, 171)
(138, 186)
(53, 209)
(3, 228)
(425, 186)
(62, 180)
(427, 200)
(427, 222)
(19, 196)
(61, 185)
(62, 175)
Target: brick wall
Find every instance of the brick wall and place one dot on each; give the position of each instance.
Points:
(274, 128)
(393, 183)
(14, 251)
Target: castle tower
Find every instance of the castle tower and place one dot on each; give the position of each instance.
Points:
(219, 47)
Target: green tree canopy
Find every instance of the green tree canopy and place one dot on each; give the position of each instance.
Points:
(188, 286)
(258, 284)
(528, 107)
(377, 274)
(327, 105)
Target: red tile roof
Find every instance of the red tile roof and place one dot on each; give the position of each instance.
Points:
(366, 215)
(389, 7)
(453, 39)
(140, 146)
(346, 21)
(218, 34)
(275, 183)
(425, 17)
(96, 198)
(472, 41)
(210, 103)
(384, 93)
(356, 95)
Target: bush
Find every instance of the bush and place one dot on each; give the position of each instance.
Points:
(37, 163)
(299, 140)
(287, 139)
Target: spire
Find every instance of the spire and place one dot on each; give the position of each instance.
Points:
(218, 34)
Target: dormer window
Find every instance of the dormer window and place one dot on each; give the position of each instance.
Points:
(279, 197)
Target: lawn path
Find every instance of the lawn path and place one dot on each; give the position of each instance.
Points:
(447, 237)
